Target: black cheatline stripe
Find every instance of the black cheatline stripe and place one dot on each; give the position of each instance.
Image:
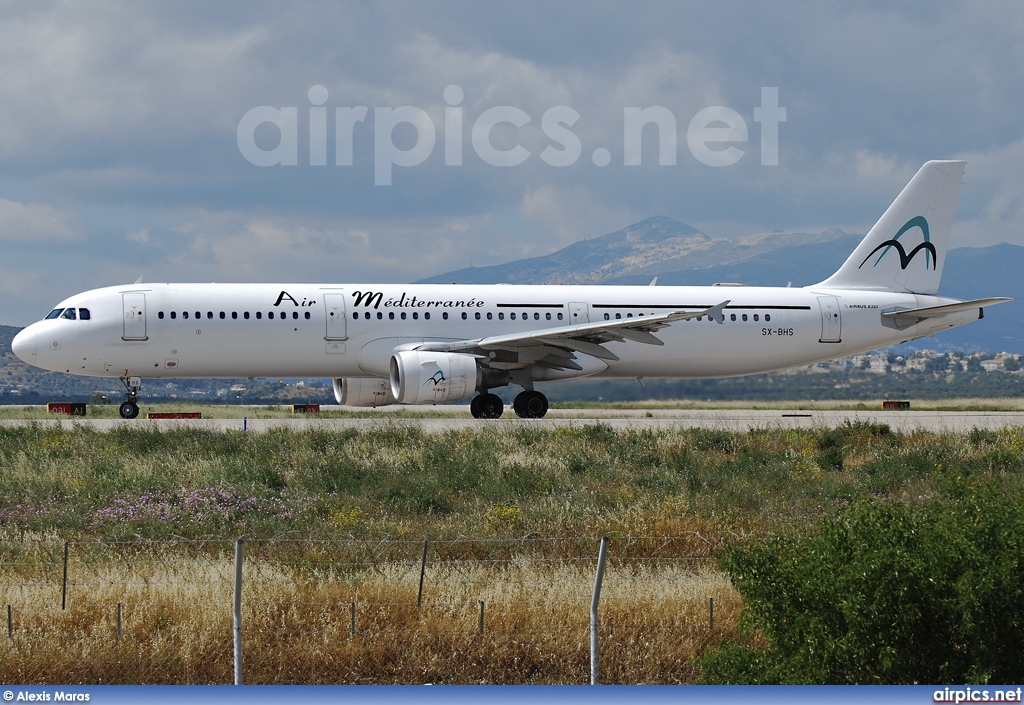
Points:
(530, 305)
(676, 307)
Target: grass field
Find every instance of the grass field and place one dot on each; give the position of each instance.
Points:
(580, 409)
(665, 496)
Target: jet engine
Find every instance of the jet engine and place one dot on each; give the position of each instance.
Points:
(422, 377)
(363, 391)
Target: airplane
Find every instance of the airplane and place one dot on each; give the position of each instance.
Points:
(433, 344)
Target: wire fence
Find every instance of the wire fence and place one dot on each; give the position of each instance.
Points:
(466, 610)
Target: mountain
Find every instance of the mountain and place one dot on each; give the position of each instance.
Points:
(666, 248)
(679, 254)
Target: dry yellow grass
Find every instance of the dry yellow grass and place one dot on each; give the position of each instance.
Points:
(177, 623)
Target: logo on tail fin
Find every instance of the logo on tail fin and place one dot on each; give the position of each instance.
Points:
(927, 246)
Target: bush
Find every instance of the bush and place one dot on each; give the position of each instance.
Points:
(885, 592)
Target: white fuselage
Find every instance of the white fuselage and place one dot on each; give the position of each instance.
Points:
(316, 330)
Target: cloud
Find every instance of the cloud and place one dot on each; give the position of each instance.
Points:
(121, 143)
(35, 223)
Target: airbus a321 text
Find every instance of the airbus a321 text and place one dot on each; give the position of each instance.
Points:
(432, 344)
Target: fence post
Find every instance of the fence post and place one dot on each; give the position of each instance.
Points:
(238, 612)
(118, 620)
(711, 614)
(423, 570)
(601, 557)
(64, 582)
(10, 624)
(481, 617)
(353, 632)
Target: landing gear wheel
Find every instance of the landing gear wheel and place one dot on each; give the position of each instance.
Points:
(486, 406)
(128, 410)
(530, 405)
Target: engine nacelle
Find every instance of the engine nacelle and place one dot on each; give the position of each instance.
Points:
(363, 391)
(420, 377)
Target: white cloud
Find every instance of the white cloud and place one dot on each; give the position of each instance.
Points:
(35, 223)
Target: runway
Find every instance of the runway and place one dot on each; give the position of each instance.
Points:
(459, 419)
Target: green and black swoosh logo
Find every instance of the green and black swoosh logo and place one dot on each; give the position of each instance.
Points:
(905, 257)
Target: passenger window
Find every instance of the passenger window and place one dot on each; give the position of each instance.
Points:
(209, 314)
(184, 314)
(69, 314)
(366, 315)
(295, 315)
(198, 315)
(246, 315)
(755, 317)
(84, 315)
(536, 316)
(160, 315)
(618, 316)
(426, 316)
(270, 315)
(174, 314)
(307, 315)
(732, 317)
(501, 316)
(607, 316)
(355, 315)
(767, 317)
(512, 316)
(380, 316)
(465, 315)
(55, 313)
(403, 315)
(259, 315)
(391, 315)
(629, 315)
(744, 316)
(477, 315)
(700, 318)
(489, 315)
(234, 315)
(222, 315)
(547, 316)
(559, 316)
(415, 315)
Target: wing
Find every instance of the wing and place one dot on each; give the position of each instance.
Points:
(555, 348)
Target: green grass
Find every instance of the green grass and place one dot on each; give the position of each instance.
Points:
(394, 480)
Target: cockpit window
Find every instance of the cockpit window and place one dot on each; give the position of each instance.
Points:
(55, 313)
(84, 315)
(69, 313)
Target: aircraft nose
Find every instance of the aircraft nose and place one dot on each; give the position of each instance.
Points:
(24, 346)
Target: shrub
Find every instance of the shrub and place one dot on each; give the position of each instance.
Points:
(888, 592)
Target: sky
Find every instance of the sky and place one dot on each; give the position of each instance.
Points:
(392, 141)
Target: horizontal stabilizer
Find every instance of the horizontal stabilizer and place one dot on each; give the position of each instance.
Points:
(908, 317)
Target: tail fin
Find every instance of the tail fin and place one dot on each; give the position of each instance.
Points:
(906, 249)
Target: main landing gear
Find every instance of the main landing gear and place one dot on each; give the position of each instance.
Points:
(529, 404)
(486, 406)
(130, 408)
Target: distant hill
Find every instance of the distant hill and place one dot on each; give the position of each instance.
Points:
(679, 254)
(656, 246)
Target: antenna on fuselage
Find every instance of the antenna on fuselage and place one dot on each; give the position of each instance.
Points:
(139, 280)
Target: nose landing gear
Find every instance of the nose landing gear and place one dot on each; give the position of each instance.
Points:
(130, 409)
